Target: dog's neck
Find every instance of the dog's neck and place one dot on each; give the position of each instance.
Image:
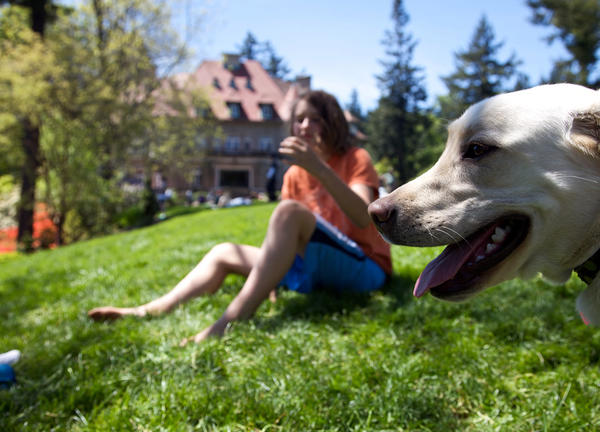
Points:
(588, 302)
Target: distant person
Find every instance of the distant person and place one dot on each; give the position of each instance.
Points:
(272, 181)
(224, 200)
(320, 236)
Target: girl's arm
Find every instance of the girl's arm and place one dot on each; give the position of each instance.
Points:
(352, 200)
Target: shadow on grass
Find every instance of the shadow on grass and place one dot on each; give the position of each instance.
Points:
(319, 306)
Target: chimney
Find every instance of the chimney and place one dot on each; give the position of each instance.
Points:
(231, 62)
(303, 83)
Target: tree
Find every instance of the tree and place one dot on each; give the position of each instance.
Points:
(94, 85)
(479, 74)
(113, 109)
(354, 106)
(576, 26)
(394, 126)
(40, 12)
(274, 64)
(252, 49)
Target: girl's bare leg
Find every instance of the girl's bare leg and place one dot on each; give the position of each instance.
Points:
(289, 231)
(205, 278)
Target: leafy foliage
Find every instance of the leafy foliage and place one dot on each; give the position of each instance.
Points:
(575, 24)
(94, 85)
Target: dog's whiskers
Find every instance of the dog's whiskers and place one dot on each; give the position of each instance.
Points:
(432, 235)
(591, 180)
(450, 233)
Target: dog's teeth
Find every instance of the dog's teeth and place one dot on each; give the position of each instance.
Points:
(499, 235)
(490, 248)
(479, 258)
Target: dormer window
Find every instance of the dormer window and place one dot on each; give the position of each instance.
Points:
(249, 84)
(235, 110)
(216, 83)
(232, 84)
(267, 111)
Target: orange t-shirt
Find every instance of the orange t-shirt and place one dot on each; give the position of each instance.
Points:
(353, 167)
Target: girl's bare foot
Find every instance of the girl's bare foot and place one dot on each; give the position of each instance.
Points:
(111, 313)
(216, 330)
(273, 296)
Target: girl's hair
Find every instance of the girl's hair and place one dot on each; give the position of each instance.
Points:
(335, 131)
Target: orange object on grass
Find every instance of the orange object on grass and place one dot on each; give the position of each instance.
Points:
(41, 223)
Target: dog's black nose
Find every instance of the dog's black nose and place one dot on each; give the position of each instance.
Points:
(380, 212)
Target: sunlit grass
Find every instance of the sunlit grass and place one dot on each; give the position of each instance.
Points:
(517, 358)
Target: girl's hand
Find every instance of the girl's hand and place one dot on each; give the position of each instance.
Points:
(298, 151)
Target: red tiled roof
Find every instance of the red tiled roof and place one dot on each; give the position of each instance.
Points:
(263, 89)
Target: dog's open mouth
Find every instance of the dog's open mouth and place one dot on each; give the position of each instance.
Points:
(456, 272)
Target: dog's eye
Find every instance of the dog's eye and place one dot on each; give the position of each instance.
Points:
(475, 150)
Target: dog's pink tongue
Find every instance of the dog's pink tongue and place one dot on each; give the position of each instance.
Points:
(442, 269)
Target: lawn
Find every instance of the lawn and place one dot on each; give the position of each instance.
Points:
(516, 358)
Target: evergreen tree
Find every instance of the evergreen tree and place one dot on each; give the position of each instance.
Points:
(273, 64)
(263, 52)
(394, 127)
(250, 47)
(354, 106)
(479, 74)
(576, 26)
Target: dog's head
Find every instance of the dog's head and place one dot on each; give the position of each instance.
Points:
(516, 192)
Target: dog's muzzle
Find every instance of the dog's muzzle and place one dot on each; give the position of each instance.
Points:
(384, 216)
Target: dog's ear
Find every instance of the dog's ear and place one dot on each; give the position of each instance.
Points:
(585, 132)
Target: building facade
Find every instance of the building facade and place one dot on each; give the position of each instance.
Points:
(253, 111)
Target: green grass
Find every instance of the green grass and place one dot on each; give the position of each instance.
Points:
(516, 358)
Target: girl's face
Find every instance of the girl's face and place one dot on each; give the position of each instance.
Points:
(307, 123)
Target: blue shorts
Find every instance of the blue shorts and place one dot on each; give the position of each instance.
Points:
(333, 261)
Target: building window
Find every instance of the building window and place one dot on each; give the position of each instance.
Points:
(217, 142)
(234, 178)
(265, 144)
(232, 144)
(197, 180)
(247, 143)
(267, 111)
(235, 110)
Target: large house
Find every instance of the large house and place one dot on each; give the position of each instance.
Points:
(253, 111)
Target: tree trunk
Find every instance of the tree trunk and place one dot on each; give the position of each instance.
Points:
(31, 149)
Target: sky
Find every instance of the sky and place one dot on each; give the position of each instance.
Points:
(338, 42)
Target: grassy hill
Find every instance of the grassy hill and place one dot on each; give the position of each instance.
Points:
(516, 358)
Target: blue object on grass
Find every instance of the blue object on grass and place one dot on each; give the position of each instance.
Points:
(7, 376)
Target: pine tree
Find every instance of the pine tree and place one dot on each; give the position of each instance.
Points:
(274, 64)
(354, 106)
(250, 47)
(576, 26)
(395, 125)
(263, 52)
(479, 74)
